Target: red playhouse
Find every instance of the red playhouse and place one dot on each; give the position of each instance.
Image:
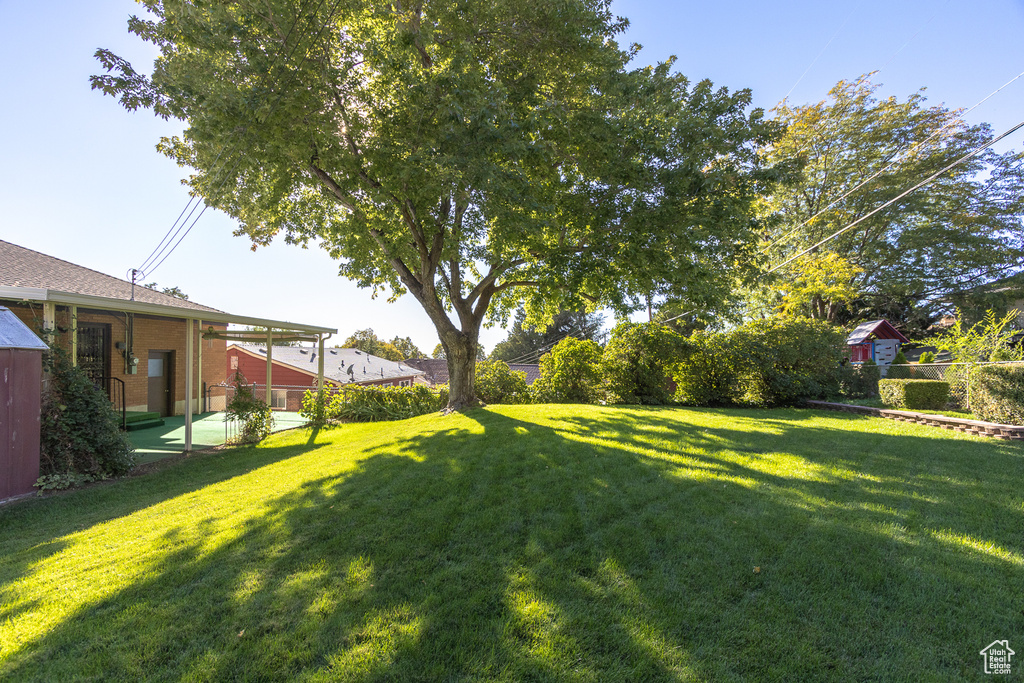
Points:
(875, 340)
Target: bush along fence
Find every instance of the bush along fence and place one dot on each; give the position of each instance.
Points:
(370, 404)
(984, 389)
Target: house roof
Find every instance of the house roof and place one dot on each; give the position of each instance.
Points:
(436, 369)
(21, 267)
(27, 275)
(881, 329)
(532, 370)
(365, 367)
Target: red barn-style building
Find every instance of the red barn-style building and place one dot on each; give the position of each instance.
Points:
(875, 340)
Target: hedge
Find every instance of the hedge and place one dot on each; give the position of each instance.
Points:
(373, 404)
(997, 393)
(914, 394)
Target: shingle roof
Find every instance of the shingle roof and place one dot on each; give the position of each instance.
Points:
(882, 329)
(365, 368)
(21, 267)
(532, 371)
(436, 369)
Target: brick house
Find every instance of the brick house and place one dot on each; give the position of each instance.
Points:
(148, 350)
(295, 370)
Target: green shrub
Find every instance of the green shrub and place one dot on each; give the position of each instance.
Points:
(81, 439)
(900, 368)
(496, 382)
(255, 416)
(914, 394)
(315, 405)
(926, 357)
(708, 371)
(377, 404)
(859, 380)
(570, 373)
(785, 361)
(997, 393)
(639, 361)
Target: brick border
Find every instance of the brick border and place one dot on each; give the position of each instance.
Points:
(989, 429)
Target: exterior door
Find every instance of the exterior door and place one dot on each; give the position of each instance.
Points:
(94, 350)
(160, 374)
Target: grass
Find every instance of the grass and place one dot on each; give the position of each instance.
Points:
(567, 543)
(877, 403)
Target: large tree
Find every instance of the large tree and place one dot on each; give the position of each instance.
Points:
(858, 152)
(471, 154)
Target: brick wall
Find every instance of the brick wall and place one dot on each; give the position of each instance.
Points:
(151, 333)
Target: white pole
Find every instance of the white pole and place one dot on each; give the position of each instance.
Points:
(270, 345)
(199, 369)
(189, 361)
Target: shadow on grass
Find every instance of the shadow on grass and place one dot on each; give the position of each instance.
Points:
(634, 545)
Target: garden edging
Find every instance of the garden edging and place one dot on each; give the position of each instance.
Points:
(960, 424)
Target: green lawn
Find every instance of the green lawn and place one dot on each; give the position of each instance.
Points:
(533, 543)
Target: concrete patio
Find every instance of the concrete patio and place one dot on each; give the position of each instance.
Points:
(207, 431)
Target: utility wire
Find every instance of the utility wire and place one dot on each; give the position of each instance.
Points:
(815, 60)
(536, 353)
(169, 237)
(911, 38)
(958, 117)
(921, 184)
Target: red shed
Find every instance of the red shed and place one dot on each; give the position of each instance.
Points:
(21, 371)
(875, 340)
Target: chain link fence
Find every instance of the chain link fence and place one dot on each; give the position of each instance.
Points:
(956, 374)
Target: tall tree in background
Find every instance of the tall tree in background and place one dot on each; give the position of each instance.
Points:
(526, 343)
(171, 291)
(406, 347)
(963, 229)
(472, 154)
(367, 341)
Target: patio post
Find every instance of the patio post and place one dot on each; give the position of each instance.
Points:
(199, 369)
(74, 336)
(270, 345)
(189, 361)
(320, 368)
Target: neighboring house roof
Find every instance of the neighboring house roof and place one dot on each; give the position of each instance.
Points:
(21, 267)
(877, 329)
(27, 275)
(337, 362)
(436, 369)
(532, 371)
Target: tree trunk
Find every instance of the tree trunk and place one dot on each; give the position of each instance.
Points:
(460, 348)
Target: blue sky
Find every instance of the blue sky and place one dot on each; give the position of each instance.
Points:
(80, 178)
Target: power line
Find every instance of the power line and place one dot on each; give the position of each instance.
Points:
(921, 184)
(169, 237)
(815, 60)
(911, 38)
(864, 182)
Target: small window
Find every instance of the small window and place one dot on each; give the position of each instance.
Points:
(234, 362)
(279, 399)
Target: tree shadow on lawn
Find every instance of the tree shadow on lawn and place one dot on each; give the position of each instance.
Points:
(547, 557)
